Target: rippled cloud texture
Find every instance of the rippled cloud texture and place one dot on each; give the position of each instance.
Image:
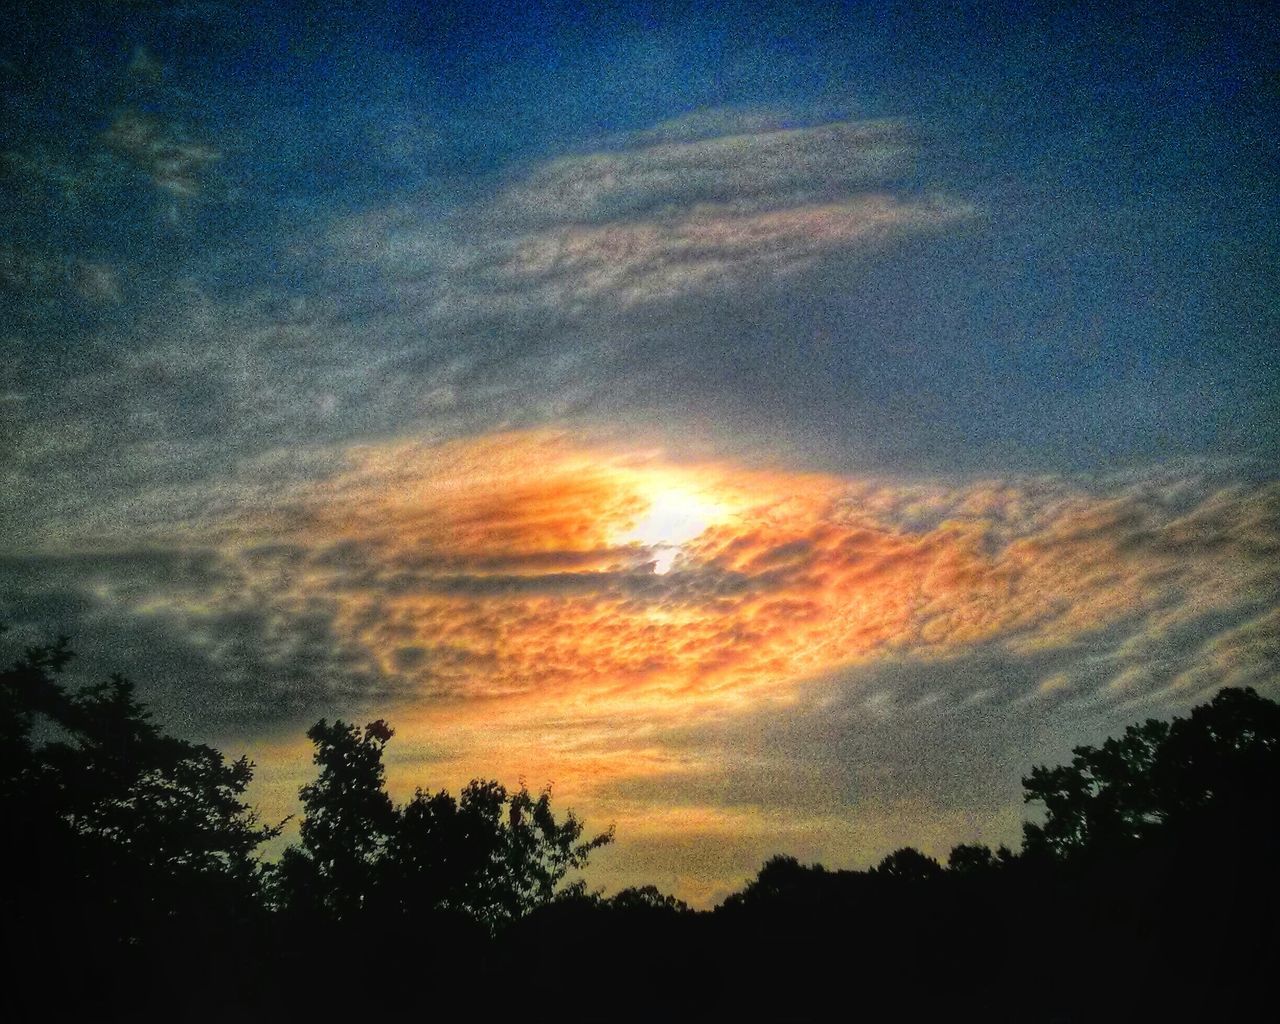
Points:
(773, 467)
(493, 597)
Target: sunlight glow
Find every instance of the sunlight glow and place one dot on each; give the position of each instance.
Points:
(675, 517)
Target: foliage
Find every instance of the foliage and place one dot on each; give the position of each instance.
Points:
(648, 898)
(977, 858)
(909, 865)
(348, 822)
(149, 824)
(175, 807)
(131, 857)
(28, 692)
(495, 854)
(492, 854)
(968, 858)
(1221, 762)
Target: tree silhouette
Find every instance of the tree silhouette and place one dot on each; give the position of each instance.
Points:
(348, 821)
(1221, 763)
(783, 881)
(29, 691)
(132, 860)
(494, 854)
(968, 859)
(491, 854)
(647, 899)
(910, 865)
(476, 886)
(148, 825)
(130, 854)
(780, 875)
(170, 807)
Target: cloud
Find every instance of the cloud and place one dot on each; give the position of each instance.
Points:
(755, 167)
(710, 123)
(215, 653)
(452, 575)
(654, 222)
(24, 270)
(437, 319)
(94, 217)
(33, 274)
(173, 162)
(710, 249)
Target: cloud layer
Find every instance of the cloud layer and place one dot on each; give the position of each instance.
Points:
(768, 481)
(491, 596)
(599, 232)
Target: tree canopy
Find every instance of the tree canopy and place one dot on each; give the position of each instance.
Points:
(111, 806)
(491, 853)
(1219, 767)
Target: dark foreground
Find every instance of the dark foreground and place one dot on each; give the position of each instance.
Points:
(133, 892)
(1138, 941)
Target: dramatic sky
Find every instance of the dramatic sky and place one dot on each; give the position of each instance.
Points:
(776, 431)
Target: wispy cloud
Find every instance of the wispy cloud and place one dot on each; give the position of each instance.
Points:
(755, 166)
(172, 161)
(653, 222)
(544, 301)
(709, 249)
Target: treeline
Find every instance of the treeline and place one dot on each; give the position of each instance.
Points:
(135, 889)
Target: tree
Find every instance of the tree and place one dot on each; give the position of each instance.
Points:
(540, 850)
(132, 828)
(648, 899)
(348, 821)
(910, 865)
(970, 858)
(1220, 765)
(491, 854)
(29, 691)
(494, 854)
(154, 806)
(782, 881)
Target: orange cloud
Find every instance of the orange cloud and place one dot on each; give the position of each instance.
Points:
(527, 570)
(531, 604)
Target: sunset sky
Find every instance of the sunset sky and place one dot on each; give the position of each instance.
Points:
(775, 431)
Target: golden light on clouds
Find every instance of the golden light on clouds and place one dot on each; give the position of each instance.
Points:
(543, 606)
(537, 571)
(676, 514)
(528, 567)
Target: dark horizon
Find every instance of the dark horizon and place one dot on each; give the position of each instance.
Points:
(137, 867)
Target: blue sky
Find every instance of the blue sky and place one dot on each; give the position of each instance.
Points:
(1112, 298)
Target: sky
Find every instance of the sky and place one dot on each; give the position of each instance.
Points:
(776, 429)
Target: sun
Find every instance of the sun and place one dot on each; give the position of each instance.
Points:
(674, 517)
